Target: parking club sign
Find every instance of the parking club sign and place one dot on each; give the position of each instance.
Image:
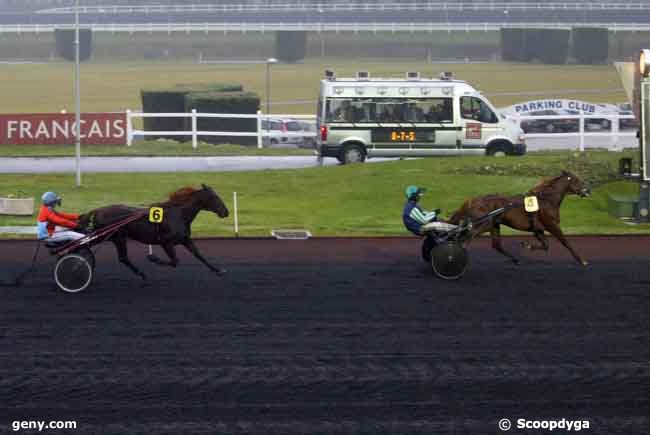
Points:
(51, 129)
(557, 104)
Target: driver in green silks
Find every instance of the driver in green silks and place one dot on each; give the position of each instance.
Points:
(413, 216)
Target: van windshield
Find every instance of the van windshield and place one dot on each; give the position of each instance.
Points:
(389, 110)
(477, 110)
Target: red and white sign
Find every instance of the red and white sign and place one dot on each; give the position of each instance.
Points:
(473, 130)
(51, 129)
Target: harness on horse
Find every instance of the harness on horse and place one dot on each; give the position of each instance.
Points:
(531, 207)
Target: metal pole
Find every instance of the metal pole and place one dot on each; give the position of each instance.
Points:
(77, 95)
(234, 200)
(268, 100)
(268, 87)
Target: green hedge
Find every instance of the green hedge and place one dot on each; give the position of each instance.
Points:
(173, 101)
(526, 45)
(513, 45)
(64, 41)
(290, 47)
(232, 102)
(553, 45)
(590, 45)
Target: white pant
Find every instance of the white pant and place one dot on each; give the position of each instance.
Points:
(62, 234)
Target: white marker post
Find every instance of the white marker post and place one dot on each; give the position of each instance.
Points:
(234, 198)
(77, 97)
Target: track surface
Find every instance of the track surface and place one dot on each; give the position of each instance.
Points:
(332, 336)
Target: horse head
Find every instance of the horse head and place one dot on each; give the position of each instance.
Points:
(212, 202)
(575, 185)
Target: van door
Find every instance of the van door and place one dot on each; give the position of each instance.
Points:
(478, 124)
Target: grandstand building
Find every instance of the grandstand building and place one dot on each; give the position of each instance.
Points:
(413, 15)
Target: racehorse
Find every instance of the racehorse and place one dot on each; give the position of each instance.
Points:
(549, 193)
(177, 215)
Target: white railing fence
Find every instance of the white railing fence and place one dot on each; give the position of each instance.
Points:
(260, 132)
(320, 26)
(581, 126)
(342, 6)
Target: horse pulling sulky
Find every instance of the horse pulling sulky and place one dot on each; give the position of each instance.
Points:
(165, 224)
(537, 211)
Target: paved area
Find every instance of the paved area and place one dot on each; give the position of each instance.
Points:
(332, 336)
(157, 164)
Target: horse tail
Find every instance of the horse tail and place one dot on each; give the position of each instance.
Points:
(459, 214)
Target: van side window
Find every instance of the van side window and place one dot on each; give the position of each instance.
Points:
(476, 109)
(389, 110)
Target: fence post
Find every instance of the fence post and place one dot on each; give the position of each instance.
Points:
(582, 131)
(234, 200)
(615, 121)
(259, 129)
(129, 129)
(194, 141)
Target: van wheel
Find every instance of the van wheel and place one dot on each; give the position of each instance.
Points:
(352, 154)
(499, 150)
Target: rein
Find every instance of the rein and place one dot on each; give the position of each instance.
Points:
(107, 231)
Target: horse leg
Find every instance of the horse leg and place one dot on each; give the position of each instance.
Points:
(539, 235)
(171, 253)
(122, 253)
(495, 234)
(190, 246)
(557, 232)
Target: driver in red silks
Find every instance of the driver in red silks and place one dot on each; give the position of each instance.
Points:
(54, 226)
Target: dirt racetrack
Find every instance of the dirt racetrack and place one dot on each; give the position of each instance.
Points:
(332, 336)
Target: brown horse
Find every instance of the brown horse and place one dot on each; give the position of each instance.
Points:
(174, 229)
(549, 193)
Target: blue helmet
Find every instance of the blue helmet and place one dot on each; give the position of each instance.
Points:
(50, 199)
(414, 192)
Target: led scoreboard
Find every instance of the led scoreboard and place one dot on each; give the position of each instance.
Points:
(402, 136)
(391, 135)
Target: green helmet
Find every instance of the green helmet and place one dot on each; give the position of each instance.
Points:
(413, 192)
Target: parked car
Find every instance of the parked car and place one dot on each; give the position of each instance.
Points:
(550, 125)
(274, 127)
(597, 124)
(310, 128)
(280, 127)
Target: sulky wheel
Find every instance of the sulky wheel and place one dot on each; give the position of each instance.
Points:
(73, 273)
(449, 260)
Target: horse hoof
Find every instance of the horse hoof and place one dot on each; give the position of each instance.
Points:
(584, 263)
(220, 272)
(515, 262)
(154, 259)
(526, 245)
